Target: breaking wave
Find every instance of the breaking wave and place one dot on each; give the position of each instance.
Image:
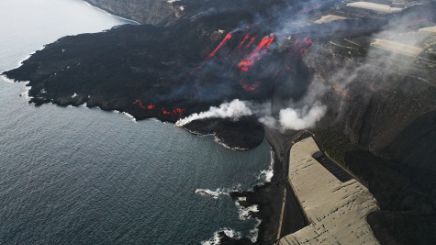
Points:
(213, 194)
(246, 212)
(129, 116)
(254, 233)
(216, 239)
(266, 175)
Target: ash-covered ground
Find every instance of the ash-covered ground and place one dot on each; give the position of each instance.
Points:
(366, 72)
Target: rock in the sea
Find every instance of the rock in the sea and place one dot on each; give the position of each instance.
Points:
(243, 134)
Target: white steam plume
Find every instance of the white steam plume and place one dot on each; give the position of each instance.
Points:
(234, 109)
(296, 119)
(301, 119)
(289, 118)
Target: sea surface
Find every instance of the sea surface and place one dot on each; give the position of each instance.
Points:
(84, 176)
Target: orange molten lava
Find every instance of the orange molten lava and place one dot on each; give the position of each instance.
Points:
(243, 41)
(248, 62)
(248, 45)
(173, 112)
(150, 107)
(140, 104)
(250, 88)
(224, 41)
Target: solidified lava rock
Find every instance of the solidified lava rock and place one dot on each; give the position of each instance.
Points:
(134, 68)
(216, 51)
(244, 133)
(144, 11)
(408, 208)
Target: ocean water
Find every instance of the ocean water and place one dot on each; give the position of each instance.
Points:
(84, 176)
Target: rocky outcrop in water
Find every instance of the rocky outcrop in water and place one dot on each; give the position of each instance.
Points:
(242, 134)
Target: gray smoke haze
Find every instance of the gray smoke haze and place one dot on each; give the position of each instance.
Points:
(306, 112)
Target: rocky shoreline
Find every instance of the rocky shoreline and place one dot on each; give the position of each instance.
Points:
(200, 57)
(270, 196)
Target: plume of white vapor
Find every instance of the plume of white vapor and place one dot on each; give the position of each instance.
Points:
(301, 119)
(234, 109)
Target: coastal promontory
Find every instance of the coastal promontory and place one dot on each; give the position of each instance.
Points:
(359, 76)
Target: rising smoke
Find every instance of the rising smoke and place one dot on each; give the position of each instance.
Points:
(234, 109)
(306, 112)
(289, 118)
(301, 119)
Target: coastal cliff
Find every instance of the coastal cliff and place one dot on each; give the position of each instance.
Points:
(153, 12)
(190, 56)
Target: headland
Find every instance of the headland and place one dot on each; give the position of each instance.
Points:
(372, 65)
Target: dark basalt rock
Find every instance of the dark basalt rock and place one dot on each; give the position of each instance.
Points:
(160, 71)
(153, 12)
(408, 208)
(244, 133)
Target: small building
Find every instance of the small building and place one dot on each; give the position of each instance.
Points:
(428, 30)
(328, 18)
(406, 53)
(397, 48)
(375, 7)
(336, 208)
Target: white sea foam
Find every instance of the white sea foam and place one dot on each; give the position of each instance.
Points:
(129, 116)
(84, 105)
(246, 212)
(219, 141)
(25, 93)
(266, 175)
(215, 240)
(254, 233)
(7, 79)
(28, 56)
(213, 194)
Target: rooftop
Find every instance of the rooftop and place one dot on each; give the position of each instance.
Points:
(329, 18)
(379, 8)
(397, 47)
(337, 210)
(428, 30)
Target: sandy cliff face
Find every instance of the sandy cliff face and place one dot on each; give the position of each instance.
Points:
(151, 12)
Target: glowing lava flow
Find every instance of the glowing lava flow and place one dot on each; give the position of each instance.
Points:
(173, 112)
(248, 62)
(224, 41)
(248, 45)
(141, 105)
(149, 107)
(243, 41)
(250, 87)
